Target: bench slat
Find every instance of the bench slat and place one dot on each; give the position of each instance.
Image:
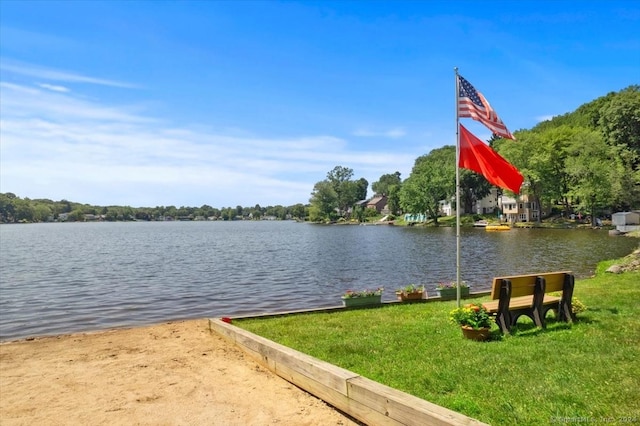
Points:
(521, 302)
(523, 285)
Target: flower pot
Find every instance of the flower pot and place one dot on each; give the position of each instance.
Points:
(452, 293)
(480, 334)
(362, 301)
(416, 295)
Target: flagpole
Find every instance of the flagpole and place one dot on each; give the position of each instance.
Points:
(457, 190)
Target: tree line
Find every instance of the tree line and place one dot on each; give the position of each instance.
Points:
(14, 209)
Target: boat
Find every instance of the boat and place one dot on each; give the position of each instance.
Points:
(497, 228)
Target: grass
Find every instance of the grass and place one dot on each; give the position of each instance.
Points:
(588, 370)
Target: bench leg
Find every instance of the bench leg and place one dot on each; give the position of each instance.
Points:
(538, 317)
(503, 319)
(565, 308)
(565, 312)
(537, 311)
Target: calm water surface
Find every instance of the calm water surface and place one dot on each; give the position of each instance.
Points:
(60, 278)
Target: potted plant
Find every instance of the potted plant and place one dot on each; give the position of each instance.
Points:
(474, 321)
(449, 290)
(362, 297)
(411, 292)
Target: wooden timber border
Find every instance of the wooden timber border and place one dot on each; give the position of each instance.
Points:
(363, 399)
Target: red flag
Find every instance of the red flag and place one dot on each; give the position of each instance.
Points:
(477, 156)
(473, 104)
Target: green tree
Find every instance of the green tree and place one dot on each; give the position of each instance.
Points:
(393, 199)
(528, 156)
(625, 180)
(361, 189)
(41, 212)
(23, 210)
(385, 183)
(298, 211)
(619, 121)
(389, 185)
(324, 201)
(345, 189)
(7, 207)
(432, 179)
(76, 215)
(473, 187)
(590, 169)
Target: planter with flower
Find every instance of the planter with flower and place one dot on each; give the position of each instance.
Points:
(474, 320)
(449, 290)
(411, 292)
(362, 298)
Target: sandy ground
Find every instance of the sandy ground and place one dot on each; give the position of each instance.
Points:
(169, 374)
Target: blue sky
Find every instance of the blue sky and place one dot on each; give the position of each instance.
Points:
(242, 103)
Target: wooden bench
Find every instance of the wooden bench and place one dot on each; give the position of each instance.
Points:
(512, 297)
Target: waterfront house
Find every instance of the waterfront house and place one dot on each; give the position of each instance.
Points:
(519, 209)
(379, 203)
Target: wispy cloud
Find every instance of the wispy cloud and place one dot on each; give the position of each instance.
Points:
(53, 87)
(394, 133)
(57, 75)
(59, 145)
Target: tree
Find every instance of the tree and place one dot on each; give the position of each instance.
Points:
(473, 187)
(432, 179)
(393, 199)
(41, 212)
(338, 175)
(590, 168)
(619, 120)
(324, 201)
(385, 183)
(529, 156)
(347, 191)
(76, 215)
(298, 211)
(23, 211)
(7, 207)
(389, 185)
(361, 192)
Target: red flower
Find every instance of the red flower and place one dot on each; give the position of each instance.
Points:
(226, 319)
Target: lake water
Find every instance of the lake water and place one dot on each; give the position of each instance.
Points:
(66, 277)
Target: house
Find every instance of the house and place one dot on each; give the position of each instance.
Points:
(445, 207)
(379, 203)
(488, 204)
(519, 209)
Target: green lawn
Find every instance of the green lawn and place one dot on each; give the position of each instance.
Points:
(588, 370)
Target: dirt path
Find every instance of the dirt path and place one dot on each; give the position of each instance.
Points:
(168, 374)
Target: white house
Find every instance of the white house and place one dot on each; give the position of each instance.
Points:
(626, 221)
(488, 204)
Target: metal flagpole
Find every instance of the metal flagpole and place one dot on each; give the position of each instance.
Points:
(457, 191)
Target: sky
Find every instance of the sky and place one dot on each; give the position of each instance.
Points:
(227, 103)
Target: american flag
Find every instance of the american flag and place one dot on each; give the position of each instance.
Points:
(473, 104)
